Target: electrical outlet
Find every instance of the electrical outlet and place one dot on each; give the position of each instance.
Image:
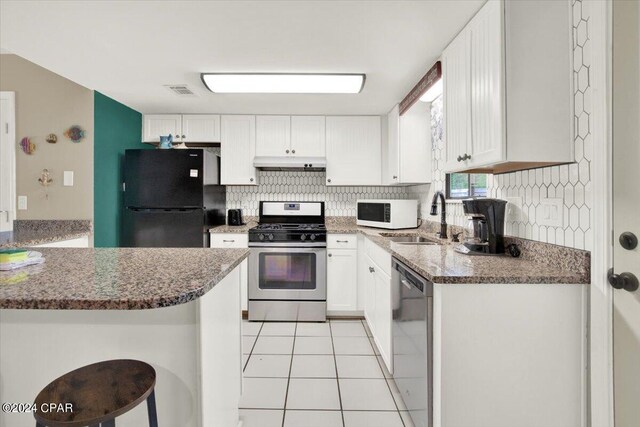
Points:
(22, 203)
(549, 212)
(513, 209)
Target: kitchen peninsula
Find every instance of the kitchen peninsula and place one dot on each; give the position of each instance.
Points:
(177, 309)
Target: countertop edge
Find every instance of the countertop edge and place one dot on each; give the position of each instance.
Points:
(90, 305)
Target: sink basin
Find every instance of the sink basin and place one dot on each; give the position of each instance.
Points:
(409, 240)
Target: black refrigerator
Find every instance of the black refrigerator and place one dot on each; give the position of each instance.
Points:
(171, 198)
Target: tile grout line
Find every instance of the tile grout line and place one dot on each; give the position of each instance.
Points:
(252, 347)
(286, 395)
(386, 380)
(335, 362)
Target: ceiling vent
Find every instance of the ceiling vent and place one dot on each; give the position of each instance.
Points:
(180, 90)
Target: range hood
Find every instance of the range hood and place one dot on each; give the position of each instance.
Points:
(268, 163)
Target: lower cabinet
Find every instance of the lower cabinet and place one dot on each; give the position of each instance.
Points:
(342, 280)
(377, 307)
(235, 240)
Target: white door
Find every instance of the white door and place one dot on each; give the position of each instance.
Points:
(201, 128)
(342, 280)
(455, 72)
(626, 212)
(155, 125)
(393, 147)
(7, 160)
(308, 136)
(354, 150)
(237, 150)
(487, 82)
(273, 136)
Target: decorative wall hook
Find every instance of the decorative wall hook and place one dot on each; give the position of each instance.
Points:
(45, 178)
(75, 133)
(27, 146)
(52, 138)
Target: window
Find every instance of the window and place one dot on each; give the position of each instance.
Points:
(465, 185)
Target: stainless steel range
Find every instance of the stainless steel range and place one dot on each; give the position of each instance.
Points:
(287, 264)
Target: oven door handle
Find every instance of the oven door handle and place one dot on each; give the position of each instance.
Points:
(294, 245)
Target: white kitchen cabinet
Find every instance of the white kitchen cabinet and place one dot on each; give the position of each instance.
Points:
(409, 149)
(80, 242)
(237, 149)
(308, 136)
(342, 280)
(377, 295)
(183, 128)
(234, 240)
(273, 135)
(353, 150)
(154, 125)
(507, 101)
(200, 128)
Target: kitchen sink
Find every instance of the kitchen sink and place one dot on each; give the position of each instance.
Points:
(414, 239)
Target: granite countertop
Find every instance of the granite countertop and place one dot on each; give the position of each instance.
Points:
(249, 223)
(117, 278)
(38, 232)
(539, 262)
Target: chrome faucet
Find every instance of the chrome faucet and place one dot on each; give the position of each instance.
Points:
(443, 212)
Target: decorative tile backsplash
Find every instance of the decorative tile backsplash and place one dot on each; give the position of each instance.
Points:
(306, 186)
(571, 182)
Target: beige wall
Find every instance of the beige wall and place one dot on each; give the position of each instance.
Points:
(48, 103)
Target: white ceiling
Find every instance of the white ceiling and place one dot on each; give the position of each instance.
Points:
(129, 49)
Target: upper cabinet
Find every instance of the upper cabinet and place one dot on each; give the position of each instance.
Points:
(203, 128)
(507, 101)
(290, 136)
(237, 150)
(308, 136)
(273, 135)
(409, 153)
(353, 150)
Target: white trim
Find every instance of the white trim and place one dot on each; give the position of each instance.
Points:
(601, 325)
(11, 120)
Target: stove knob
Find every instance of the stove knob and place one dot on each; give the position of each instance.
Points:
(261, 237)
(302, 237)
(313, 237)
(270, 236)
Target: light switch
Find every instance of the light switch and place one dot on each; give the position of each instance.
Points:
(549, 212)
(68, 178)
(22, 203)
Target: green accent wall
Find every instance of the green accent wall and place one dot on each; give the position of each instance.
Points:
(116, 128)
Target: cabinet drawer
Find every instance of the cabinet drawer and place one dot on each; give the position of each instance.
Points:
(378, 255)
(229, 240)
(342, 241)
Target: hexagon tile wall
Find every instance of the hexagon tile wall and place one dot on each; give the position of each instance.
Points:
(572, 183)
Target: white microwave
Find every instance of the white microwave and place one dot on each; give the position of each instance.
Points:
(391, 214)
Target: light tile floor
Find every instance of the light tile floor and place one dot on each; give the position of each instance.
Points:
(316, 375)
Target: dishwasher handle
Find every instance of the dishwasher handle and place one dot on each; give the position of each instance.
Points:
(410, 278)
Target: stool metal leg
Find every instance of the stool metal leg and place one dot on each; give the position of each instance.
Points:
(109, 423)
(151, 409)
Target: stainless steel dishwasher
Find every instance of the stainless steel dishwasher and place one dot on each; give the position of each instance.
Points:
(412, 299)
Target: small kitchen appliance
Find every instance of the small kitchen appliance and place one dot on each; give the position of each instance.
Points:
(234, 217)
(390, 214)
(288, 262)
(485, 233)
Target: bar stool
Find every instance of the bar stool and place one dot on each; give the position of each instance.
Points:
(98, 393)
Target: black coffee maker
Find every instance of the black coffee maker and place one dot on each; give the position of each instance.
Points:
(485, 232)
(234, 217)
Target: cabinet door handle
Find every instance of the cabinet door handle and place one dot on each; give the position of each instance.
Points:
(342, 241)
(293, 151)
(251, 179)
(395, 176)
(329, 180)
(460, 158)
(183, 137)
(287, 151)
(371, 270)
(228, 241)
(466, 156)
(329, 255)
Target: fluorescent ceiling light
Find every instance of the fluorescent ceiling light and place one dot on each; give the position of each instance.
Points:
(433, 92)
(283, 83)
